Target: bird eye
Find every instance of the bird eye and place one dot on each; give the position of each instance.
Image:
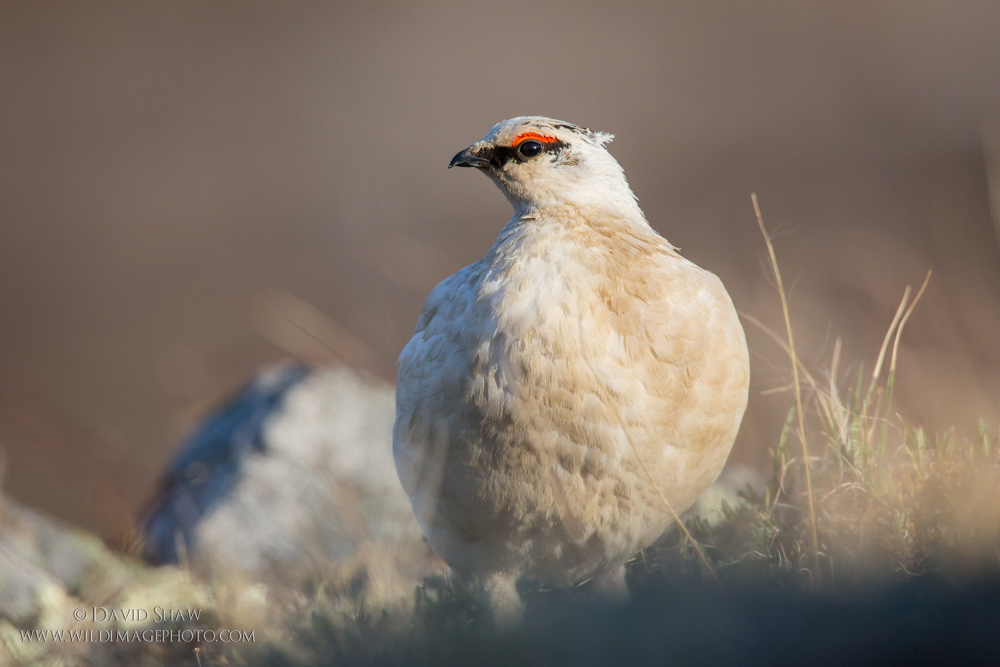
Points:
(529, 148)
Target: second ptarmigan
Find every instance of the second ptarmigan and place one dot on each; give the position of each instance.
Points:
(555, 389)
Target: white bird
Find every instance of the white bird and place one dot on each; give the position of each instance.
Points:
(562, 390)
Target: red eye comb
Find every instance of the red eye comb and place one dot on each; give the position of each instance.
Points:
(534, 136)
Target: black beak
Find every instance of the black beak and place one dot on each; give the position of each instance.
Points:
(467, 159)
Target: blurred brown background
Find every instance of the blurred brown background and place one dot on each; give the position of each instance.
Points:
(168, 171)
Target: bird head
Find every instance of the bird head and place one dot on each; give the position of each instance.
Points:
(539, 162)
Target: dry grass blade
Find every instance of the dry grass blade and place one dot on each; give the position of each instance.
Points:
(902, 322)
(795, 379)
(304, 331)
(645, 468)
(784, 346)
(827, 400)
(663, 498)
(991, 156)
(888, 334)
(834, 406)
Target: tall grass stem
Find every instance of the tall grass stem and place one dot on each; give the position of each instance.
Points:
(795, 380)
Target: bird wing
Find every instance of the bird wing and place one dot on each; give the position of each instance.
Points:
(432, 367)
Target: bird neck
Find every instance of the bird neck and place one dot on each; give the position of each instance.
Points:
(623, 209)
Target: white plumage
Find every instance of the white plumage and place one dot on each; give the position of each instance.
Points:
(547, 378)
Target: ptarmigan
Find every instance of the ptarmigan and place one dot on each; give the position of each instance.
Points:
(558, 386)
